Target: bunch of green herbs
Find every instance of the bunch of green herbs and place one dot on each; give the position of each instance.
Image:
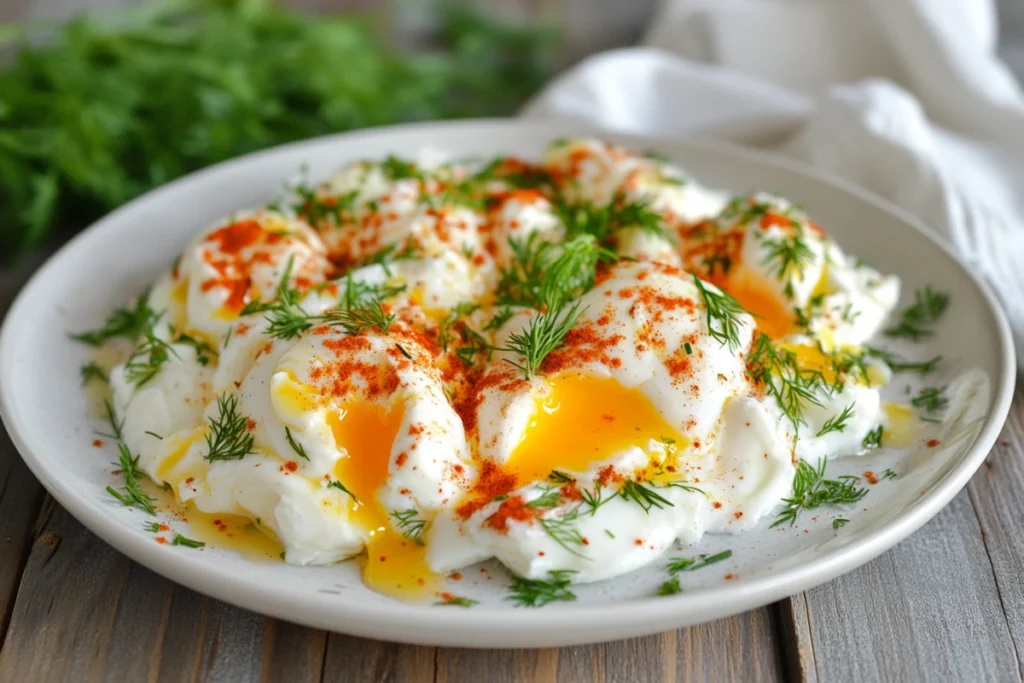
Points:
(98, 110)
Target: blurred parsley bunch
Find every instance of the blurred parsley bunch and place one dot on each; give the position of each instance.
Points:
(98, 110)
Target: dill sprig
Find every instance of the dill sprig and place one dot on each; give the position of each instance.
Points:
(296, 446)
(684, 564)
(551, 497)
(546, 275)
(897, 364)
(132, 495)
(335, 484)
(91, 371)
(115, 426)
(787, 256)
(931, 399)
(357, 319)
(457, 601)
(123, 322)
(559, 477)
(563, 531)
(229, 437)
(543, 336)
(146, 361)
(410, 524)
(689, 564)
(785, 380)
(537, 593)
(873, 439)
(723, 315)
(918, 319)
(644, 496)
(837, 423)
(187, 542)
(811, 490)
(604, 220)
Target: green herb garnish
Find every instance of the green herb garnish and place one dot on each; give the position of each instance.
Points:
(132, 495)
(811, 490)
(229, 437)
(922, 315)
(537, 593)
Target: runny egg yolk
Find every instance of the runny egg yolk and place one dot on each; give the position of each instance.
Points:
(773, 315)
(395, 565)
(583, 420)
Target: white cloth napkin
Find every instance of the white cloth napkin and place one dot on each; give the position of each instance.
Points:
(904, 97)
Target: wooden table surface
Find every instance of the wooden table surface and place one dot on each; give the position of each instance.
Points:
(946, 604)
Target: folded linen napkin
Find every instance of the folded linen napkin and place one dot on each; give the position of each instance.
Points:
(903, 97)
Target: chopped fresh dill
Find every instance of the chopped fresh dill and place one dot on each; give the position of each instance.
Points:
(559, 477)
(837, 423)
(788, 256)
(123, 322)
(811, 490)
(644, 496)
(115, 426)
(537, 593)
(723, 315)
(187, 542)
(229, 437)
(918, 319)
(457, 601)
(897, 364)
(296, 446)
(132, 495)
(889, 474)
(785, 381)
(551, 497)
(91, 371)
(543, 336)
(873, 439)
(670, 587)
(335, 484)
(147, 360)
(931, 399)
(409, 523)
(689, 564)
(839, 522)
(563, 531)
(154, 435)
(151, 527)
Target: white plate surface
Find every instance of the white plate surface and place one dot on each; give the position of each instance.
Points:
(46, 413)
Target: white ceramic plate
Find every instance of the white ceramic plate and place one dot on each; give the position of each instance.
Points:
(46, 413)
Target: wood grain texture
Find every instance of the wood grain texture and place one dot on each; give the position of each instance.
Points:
(945, 604)
(20, 494)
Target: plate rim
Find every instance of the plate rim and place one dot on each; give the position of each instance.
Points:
(573, 623)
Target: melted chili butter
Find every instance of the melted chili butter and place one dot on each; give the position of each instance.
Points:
(395, 565)
(583, 420)
(901, 426)
(242, 535)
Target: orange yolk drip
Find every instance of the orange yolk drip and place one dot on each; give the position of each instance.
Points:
(395, 565)
(773, 315)
(582, 420)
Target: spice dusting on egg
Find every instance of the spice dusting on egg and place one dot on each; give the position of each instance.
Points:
(570, 366)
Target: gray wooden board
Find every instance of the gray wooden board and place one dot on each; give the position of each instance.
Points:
(946, 604)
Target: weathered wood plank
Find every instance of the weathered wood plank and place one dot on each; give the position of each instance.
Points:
(997, 493)
(455, 665)
(354, 660)
(20, 494)
(83, 610)
(926, 610)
